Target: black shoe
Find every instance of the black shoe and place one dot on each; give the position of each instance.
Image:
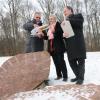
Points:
(58, 78)
(79, 82)
(46, 82)
(74, 79)
(65, 79)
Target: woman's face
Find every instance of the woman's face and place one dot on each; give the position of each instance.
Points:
(52, 19)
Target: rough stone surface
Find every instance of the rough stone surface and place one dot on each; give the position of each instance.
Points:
(79, 92)
(23, 72)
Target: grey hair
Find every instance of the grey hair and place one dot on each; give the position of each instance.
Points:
(39, 13)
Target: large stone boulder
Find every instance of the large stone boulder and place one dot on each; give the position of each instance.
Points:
(61, 92)
(24, 72)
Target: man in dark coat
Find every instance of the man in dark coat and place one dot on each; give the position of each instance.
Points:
(34, 42)
(75, 45)
(56, 47)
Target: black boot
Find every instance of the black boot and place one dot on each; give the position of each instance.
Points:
(65, 79)
(58, 78)
(74, 79)
(79, 82)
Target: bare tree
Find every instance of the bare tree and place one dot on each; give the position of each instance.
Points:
(14, 13)
(90, 10)
(11, 21)
(92, 18)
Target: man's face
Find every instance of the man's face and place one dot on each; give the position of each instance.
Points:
(67, 11)
(37, 17)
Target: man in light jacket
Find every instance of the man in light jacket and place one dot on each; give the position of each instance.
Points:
(34, 42)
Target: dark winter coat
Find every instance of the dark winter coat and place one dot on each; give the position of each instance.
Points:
(58, 43)
(75, 46)
(29, 25)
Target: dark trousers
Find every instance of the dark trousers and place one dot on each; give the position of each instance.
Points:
(60, 65)
(78, 67)
(34, 44)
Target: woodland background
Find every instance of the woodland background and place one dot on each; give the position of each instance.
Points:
(14, 13)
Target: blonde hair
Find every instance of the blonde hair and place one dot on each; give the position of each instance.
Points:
(53, 16)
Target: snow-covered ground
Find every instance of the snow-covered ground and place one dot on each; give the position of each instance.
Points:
(3, 59)
(92, 70)
(92, 75)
